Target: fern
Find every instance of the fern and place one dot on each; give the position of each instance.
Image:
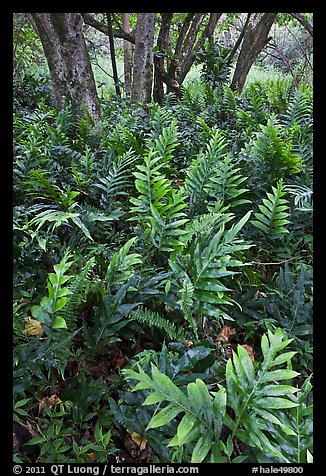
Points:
(151, 184)
(202, 169)
(59, 218)
(166, 223)
(299, 111)
(158, 204)
(161, 118)
(303, 197)
(78, 289)
(254, 396)
(118, 179)
(155, 320)
(205, 262)
(204, 224)
(274, 213)
(120, 267)
(226, 184)
(272, 153)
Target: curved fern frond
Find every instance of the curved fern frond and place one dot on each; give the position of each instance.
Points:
(299, 111)
(120, 266)
(273, 152)
(118, 179)
(226, 184)
(155, 320)
(303, 196)
(257, 398)
(78, 289)
(202, 169)
(206, 262)
(274, 213)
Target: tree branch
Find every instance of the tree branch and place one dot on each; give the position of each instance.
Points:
(305, 23)
(117, 33)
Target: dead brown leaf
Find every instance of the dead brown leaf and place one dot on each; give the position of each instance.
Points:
(224, 334)
(140, 441)
(250, 352)
(32, 327)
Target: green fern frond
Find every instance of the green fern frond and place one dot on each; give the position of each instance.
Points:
(206, 262)
(202, 169)
(167, 223)
(161, 118)
(274, 213)
(227, 182)
(203, 225)
(299, 111)
(120, 267)
(118, 180)
(155, 320)
(78, 289)
(255, 396)
(273, 152)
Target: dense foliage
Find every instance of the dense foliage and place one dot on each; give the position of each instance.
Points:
(163, 276)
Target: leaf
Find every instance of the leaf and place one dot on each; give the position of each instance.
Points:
(164, 416)
(185, 426)
(59, 323)
(201, 449)
(33, 327)
(138, 439)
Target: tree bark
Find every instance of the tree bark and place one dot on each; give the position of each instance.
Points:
(254, 41)
(162, 44)
(127, 55)
(143, 58)
(68, 61)
(112, 53)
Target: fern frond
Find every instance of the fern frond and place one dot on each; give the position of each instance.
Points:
(207, 261)
(155, 320)
(227, 182)
(274, 213)
(203, 225)
(118, 180)
(78, 288)
(273, 152)
(166, 225)
(161, 118)
(202, 169)
(120, 266)
(299, 111)
(302, 197)
(257, 398)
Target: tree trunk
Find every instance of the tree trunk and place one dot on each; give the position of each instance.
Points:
(162, 44)
(143, 58)
(112, 53)
(68, 61)
(127, 55)
(254, 41)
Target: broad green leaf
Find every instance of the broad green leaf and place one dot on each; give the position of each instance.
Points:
(202, 448)
(164, 416)
(59, 323)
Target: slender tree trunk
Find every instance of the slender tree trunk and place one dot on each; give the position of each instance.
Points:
(254, 41)
(162, 44)
(127, 55)
(68, 61)
(112, 53)
(143, 58)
